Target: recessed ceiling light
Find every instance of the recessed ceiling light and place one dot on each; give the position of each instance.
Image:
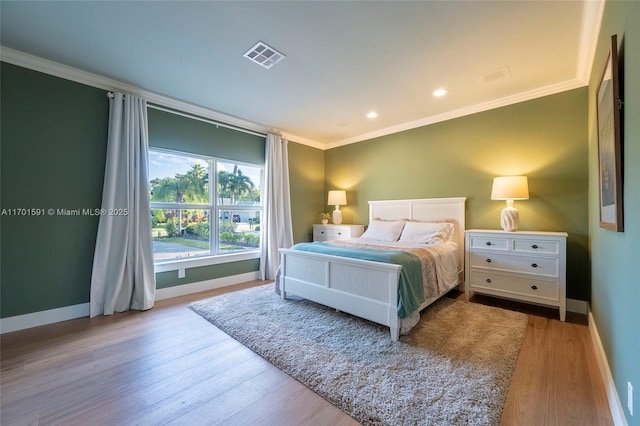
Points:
(372, 114)
(440, 92)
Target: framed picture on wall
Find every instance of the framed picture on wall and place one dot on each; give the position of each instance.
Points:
(608, 105)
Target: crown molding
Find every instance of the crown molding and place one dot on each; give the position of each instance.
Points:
(66, 72)
(593, 11)
(591, 23)
(304, 141)
(461, 112)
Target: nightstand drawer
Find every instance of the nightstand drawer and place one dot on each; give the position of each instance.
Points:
(329, 234)
(542, 266)
(536, 246)
(489, 243)
(336, 232)
(511, 286)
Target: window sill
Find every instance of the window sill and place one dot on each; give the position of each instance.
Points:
(178, 264)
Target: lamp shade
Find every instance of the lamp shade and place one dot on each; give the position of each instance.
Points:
(337, 198)
(509, 188)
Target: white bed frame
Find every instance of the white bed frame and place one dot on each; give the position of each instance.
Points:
(365, 288)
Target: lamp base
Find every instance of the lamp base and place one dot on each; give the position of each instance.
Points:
(337, 216)
(510, 219)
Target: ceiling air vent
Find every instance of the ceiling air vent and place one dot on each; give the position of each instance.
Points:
(498, 74)
(264, 55)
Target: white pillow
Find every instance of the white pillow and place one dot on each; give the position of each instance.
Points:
(384, 230)
(450, 229)
(426, 232)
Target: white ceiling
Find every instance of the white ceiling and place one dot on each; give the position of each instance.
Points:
(343, 59)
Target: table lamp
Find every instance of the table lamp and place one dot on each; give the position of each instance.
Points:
(510, 188)
(337, 198)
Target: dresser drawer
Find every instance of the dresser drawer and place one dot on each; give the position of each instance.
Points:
(511, 286)
(536, 246)
(529, 266)
(542, 266)
(489, 243)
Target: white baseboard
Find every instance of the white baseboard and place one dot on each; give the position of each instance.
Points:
(617, 412)
(181, 290)
(51, 316)
(35, 319)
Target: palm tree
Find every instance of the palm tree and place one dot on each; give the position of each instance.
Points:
(197, 179)
(190, 187)
(240, 184)
(233, 185)
(169, 189)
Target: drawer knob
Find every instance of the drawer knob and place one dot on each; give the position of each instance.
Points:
(534, 265)
(488, 280)
(534, 287)
(535, 246)
(339, 233)
(488, 243)
(488, 260)
(322, 232)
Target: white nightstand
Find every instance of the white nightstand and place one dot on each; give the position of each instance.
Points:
(525, 266)
(336, 232)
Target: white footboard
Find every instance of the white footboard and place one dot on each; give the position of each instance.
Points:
(359, 287)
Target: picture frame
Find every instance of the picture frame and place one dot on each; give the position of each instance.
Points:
(608, 106)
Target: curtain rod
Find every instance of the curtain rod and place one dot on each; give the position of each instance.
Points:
(111, 95)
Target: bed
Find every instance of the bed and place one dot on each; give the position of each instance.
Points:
(366, 288)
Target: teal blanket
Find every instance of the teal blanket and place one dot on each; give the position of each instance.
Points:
(410, 290)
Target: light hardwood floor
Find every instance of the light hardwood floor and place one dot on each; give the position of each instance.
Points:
(170, 366)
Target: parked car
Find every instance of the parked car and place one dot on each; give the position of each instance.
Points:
(236, 218)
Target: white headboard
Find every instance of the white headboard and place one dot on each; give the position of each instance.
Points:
(435, 209)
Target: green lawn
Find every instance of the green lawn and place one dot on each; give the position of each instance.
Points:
(200, 244)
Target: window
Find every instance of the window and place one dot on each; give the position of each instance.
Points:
(194, 215)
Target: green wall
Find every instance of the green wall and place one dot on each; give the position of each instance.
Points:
(53, 146)
(53, 154)
(545, 139)
(204, 273)
(306, 180)
(615, 297)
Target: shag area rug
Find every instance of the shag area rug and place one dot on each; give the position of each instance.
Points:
(454, 368)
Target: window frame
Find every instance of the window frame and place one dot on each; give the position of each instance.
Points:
(215, 208)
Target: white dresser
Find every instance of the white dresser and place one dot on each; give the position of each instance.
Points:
(525, 266)
(336, 232)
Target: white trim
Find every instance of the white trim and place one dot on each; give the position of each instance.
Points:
(473, 109)
(304, 141)
(177, 264)
(36, 319)
(51, 316)
(617, 412)
(590, 31)
(66, 72)
(181, 290)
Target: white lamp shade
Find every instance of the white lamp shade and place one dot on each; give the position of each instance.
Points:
(510, 188)
(337, 198)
